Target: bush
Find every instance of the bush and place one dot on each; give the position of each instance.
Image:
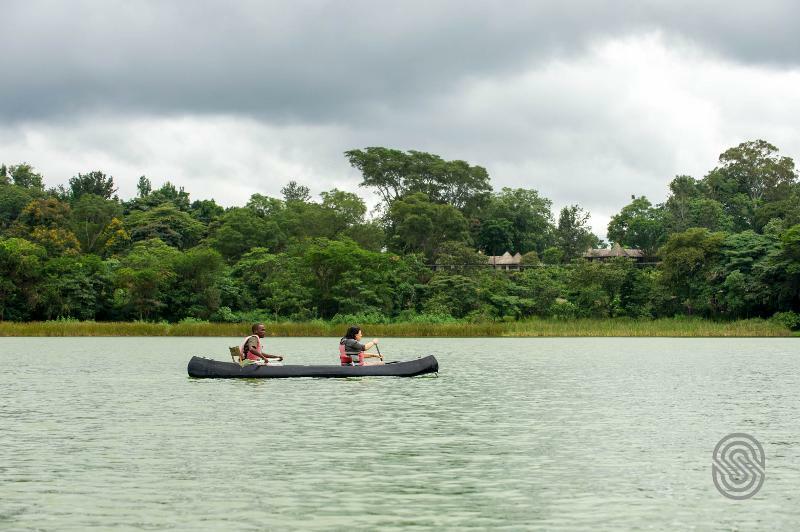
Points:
(191, 319)
(225, 315)
(372, 317)
(790, 320)
(563, 309)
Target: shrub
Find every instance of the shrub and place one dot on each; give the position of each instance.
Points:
(790, 320)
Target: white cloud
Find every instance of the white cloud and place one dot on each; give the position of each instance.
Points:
(621, 119)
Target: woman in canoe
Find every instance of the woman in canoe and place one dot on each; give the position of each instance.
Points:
(353, 353)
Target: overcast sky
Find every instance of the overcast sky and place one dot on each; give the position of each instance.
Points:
(587, 102)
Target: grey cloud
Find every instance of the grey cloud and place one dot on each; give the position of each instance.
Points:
(324, 61)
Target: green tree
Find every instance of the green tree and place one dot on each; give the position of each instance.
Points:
(144, 279)
(195, 292)
(395, 174)
(529, 214)
(295, 192)
(639, 225)
(496, 236)
(21, 267)
(166, 223)
(206, 211)
(418, 225)
(23, 175)
(89, 219)
(683, 190)
(345, 209)
(573, 234)
(278, 283)
(168, 193)
(144, 187)
(690, 260)
(748, 176)
(241, 229)
(13, 200)
(96, 183)
(75, 287)
(265, 206)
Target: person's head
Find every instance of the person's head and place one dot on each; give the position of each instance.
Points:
(259, 330)
(353, 333)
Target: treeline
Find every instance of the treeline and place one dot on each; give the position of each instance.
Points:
(728, 246)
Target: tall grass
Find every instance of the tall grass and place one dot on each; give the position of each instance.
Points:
(675, 327)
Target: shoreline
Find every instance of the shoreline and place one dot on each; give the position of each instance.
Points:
(611, 327)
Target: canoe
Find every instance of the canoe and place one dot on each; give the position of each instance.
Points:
(205, 368)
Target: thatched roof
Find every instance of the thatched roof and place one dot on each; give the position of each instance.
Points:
(615, 251)
(505, 258)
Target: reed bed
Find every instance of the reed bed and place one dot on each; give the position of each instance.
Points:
(668, 327)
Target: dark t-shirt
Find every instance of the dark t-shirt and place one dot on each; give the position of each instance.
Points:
(353, 347)
(251, 342)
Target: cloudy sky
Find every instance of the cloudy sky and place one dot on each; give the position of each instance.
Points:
(586, 101)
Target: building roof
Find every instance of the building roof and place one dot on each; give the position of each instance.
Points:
(615, 251)
(505, 258)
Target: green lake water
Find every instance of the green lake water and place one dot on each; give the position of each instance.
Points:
(512, 434)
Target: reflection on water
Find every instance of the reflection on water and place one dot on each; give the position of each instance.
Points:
(523, 433)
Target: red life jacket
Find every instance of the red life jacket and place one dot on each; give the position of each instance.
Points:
(348, 360)
(249, 355)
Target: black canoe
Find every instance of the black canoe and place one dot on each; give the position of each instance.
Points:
(213, 369)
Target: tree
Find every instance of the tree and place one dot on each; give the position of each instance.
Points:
(206, 211)
(689, 260)
(13, 200)
(47, 212)
(265, 206)
(166, 223)
(639, 225)
(275, 282)
(21, 264)
(148, 199)
(684, 189)
(452, 295)
(529, 214)
(75, 287)
(241, 229)
(457, 257)
(417, 225)
(345, 209)
(96, 183)
(395, 174)
(294, 192)
(573, 234)
(91, 215)
(144, 279)
(496, 236)
(195, 292)
(748, 176)
(23, 175)
(144, 187)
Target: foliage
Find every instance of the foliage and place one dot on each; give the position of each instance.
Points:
(95, 183)
(395, 174)
(729, 245)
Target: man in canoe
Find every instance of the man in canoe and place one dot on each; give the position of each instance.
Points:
(353, 353)
(251, 346)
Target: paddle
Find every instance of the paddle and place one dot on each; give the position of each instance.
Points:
(379, 352)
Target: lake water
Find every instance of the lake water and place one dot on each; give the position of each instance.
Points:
(513, 433)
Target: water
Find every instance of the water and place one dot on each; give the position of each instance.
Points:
(513, 434)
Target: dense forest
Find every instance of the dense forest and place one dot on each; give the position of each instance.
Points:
(723, 246)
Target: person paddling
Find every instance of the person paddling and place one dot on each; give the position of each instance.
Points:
(353, 353)
(251, 346)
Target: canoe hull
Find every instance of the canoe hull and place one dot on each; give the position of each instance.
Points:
(205, 368)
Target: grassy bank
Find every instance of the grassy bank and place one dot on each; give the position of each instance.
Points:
(530, 328)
